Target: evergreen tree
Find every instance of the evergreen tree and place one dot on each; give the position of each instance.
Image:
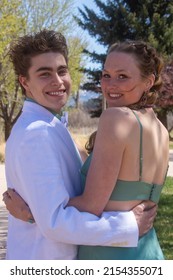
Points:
(149, 20)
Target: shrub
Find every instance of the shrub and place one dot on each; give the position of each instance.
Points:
(80, 122)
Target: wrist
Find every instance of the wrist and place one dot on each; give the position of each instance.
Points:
(27, 216)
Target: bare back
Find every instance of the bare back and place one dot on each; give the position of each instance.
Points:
(155, 153)
(155, 145)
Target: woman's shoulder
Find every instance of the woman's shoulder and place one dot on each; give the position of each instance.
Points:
(117, 121)
(117, 114)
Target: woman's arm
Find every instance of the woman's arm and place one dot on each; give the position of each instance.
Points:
(105, 164)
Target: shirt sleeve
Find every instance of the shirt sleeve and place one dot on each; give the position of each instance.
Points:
(41, 172)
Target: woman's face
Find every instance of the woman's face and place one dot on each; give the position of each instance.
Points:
(121, 80)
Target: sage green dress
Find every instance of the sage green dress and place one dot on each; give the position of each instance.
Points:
(148, 246)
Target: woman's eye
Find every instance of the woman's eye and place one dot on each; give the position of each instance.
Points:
(105, 76)
(122, 76)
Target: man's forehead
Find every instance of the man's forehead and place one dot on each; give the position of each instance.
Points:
(48, 61)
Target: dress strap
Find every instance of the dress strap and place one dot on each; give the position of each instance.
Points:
(140, 148)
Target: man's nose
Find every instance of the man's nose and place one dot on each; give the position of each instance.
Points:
(56, 80)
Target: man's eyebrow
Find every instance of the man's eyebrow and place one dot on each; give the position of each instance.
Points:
(45, 68)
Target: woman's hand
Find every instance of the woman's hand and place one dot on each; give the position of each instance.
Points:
(17, 206)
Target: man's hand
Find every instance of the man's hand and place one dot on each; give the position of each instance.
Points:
(144, 217)
(17, 206)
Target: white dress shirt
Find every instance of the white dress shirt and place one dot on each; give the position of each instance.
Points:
(43, 166)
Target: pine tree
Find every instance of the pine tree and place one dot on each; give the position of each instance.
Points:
(150, 20)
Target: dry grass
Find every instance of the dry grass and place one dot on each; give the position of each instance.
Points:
(80, 139)
(81, 126)
(81, 135)
(2, 147)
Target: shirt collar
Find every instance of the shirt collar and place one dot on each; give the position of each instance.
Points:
(63, 116)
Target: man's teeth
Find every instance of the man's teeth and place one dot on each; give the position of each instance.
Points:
(56, 93)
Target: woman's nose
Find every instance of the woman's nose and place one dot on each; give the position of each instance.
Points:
(113, 81)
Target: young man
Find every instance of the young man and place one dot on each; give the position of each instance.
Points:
(43, 164)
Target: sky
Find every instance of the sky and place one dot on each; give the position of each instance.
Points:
(93, 45)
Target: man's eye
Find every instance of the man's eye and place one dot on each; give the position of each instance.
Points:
(45, 74)
(62, 72)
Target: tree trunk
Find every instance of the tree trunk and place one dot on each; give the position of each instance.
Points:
(7, 128)
(104, 105)
(77, 100)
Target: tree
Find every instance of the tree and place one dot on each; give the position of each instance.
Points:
(149, 20)
(165, 101)
(76, 64)
(55, 14)
(11, 25)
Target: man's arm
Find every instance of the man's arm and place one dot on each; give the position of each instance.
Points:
(144, 218)
(20, 210)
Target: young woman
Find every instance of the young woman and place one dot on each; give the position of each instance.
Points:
(130, 156)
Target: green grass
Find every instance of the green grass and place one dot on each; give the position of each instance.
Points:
(164, 219)
(170, 144)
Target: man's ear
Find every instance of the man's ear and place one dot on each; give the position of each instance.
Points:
(23, 82)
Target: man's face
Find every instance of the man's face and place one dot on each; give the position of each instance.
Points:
(48, 82)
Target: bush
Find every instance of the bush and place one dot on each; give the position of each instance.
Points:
(81, 122)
